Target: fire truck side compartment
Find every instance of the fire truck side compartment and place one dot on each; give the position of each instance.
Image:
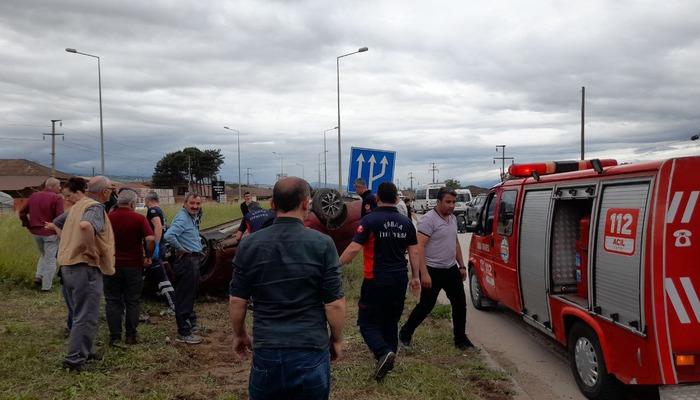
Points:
(565, 232)
(617, 277)
(533, 262)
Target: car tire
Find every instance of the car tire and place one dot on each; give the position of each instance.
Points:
(461, 223)
(476, 293)
(588, 365)
(329, 207)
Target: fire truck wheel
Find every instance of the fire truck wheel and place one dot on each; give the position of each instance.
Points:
(588, 365)
(475, 292)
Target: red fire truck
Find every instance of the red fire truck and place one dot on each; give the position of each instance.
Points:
(605, 259)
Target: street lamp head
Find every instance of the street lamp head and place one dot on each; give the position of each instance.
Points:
(226, 127)
(71, 50)
(362, 49)
(695, 137)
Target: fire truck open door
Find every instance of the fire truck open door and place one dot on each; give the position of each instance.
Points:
(504, 254)
(533, 256)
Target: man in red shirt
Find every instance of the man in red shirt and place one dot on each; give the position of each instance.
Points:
(43, 207)
(123, 289)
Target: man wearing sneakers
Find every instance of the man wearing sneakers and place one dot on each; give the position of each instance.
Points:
(443, 269)
(183, 236)
(384, 235)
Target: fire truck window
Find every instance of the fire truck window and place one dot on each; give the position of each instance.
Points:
(488, 215)
(506, 212)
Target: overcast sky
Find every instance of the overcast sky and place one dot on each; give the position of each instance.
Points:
(442, 82)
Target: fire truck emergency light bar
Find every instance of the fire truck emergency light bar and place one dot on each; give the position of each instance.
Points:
(555, 167)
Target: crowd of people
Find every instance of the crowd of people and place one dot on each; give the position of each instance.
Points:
(288, 275)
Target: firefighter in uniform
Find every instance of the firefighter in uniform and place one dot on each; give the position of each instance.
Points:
(369, 200)
(384, 235)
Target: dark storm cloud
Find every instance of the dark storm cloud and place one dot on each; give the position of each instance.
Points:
(443, 82)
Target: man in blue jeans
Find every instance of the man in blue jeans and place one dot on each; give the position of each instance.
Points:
(292, 274)
(183, 236)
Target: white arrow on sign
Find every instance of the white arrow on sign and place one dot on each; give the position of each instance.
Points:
(360, 160)
(373, 161)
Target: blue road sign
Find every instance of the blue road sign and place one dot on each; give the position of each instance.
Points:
(374, 166)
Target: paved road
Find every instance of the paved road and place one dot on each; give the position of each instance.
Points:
(538, 364)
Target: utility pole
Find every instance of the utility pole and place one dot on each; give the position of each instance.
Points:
(53, 135)
(411, 178)
(433, 169)
(248, 174)
(583, 108)
(503, 159)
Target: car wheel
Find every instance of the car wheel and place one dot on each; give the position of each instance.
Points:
(588, 365)
(461, 223)
(329, 207)
(479, 301)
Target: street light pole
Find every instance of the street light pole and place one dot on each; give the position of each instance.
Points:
(325, 165)
(281, 162)
(319, 170)
(337, 70)
(99, 85)
(238, 133)
(303, 174)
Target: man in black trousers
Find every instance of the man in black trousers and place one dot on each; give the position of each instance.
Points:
(384, 235)
(443, 269)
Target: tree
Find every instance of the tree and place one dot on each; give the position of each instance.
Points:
(175, 168)
(452, 183)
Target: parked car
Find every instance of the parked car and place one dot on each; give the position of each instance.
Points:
(473, 210)
(332, 214)
(464, 197)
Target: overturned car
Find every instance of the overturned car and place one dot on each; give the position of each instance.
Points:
(332, 214)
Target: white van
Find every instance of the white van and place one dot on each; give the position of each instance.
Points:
(464, 197)
(426, 197)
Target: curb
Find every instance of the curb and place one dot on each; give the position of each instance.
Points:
(491, 362)
(519, 394)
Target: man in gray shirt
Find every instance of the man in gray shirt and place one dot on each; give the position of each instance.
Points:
(443, 268)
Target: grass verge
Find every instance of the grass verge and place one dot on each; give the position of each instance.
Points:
(33, 345)
(18, 253)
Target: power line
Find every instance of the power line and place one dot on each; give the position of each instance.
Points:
(120, 156)
(15, 139)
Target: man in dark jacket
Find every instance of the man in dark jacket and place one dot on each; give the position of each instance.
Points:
(292, 274)
(369, 200)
